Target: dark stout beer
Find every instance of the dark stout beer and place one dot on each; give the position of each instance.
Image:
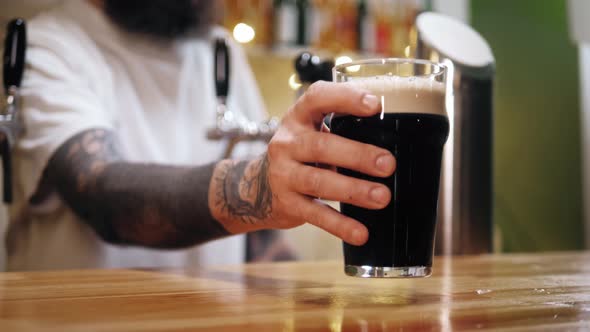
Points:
(414, 128)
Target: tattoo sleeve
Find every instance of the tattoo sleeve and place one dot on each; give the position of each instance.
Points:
(242, 197)
(132, 203)
(161, 206)
(244, 192)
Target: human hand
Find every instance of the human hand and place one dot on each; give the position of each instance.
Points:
(298, 144)
(279, 189)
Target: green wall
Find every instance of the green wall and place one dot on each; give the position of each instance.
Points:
(537, 167)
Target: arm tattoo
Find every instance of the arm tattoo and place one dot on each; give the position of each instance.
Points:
(245, 192)
(132, 203)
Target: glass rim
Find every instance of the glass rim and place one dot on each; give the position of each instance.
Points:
(341, 68)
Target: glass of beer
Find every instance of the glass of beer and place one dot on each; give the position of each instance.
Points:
(413, 125)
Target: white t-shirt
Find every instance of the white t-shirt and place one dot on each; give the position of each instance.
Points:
(84, 72)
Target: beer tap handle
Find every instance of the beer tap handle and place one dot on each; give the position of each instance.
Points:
(14, 54)
(311, 68)
(6, 169)
(13, 67)
(221, 68)
(230, 126)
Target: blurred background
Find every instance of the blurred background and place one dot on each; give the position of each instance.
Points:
(542, 63)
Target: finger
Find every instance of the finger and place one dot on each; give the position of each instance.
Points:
(330, 149)
(332, 186)
(330, 220)
(323, 97)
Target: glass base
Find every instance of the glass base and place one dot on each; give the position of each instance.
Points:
(366, 271)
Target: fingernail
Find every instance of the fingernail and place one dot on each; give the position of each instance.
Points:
(371, 101)
(385, 163)
(378, 195)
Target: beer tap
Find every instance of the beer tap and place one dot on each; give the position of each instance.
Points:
(230, 125)
(311, 68)
(465, 218)
(10, 125)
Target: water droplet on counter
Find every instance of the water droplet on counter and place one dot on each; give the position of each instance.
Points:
(539, 290)
(483, 291)
(555, 316)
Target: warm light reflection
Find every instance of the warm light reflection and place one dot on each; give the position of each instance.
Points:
(346, 59)
(336, 322)
(434, 57)
(448, 163)
(294, 82)
(447, 298)
(342, 59)
(289, 324)
(407, 51)
(244, 33)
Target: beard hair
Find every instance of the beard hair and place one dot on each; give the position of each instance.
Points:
(164, 19)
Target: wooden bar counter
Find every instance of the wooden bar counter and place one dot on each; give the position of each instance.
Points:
(529, 292)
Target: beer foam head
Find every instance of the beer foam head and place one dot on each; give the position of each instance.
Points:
(405, 94)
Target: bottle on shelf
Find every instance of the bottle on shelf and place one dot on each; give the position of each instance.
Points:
(365, 27)
(345, 26)
(303, 11)
(285, 22)
(310, 68)
(384, 27)
(320, 23)
(263, 16)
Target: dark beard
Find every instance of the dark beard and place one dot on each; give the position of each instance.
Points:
(165, 19)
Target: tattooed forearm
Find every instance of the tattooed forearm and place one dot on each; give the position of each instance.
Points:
(244, 191)
(242, 200)
(142, 204)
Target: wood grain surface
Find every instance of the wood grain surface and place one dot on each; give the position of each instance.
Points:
(532, 292)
